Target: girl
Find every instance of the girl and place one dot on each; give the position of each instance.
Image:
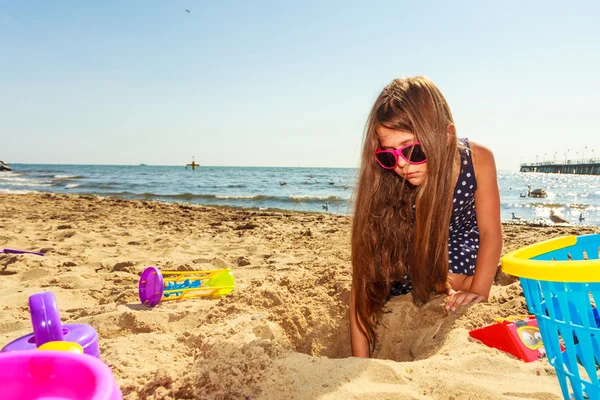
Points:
(427, 212)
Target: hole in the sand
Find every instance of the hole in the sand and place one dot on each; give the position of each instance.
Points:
(32, 338)
(407, 332)
(329, 337)
(410, 332)
(309, 316)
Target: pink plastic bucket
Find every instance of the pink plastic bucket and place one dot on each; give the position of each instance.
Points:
(55, 375)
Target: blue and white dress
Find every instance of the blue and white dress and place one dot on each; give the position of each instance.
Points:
(463, 240)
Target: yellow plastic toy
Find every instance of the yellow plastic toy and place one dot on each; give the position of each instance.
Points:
(177, 285)
(70, 347)
(513, 318)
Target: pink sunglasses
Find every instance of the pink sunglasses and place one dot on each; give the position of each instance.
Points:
(412, 154)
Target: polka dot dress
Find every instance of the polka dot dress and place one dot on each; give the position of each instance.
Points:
(463, 241)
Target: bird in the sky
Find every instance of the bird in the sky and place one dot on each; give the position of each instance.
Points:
(188, 11)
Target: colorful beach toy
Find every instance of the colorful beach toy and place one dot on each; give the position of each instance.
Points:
(60, 375)
(561, 283)
(47, 327)
(519, 336)
(156, 286)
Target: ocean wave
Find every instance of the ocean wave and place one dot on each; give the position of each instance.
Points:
(547, 205)
(25, 184)
(69, 176)
(11, 173)
(191, 196)
(13, 178)
(249, 198)
(229, 186)
(12, 191)
(102, 185)
(62, 179)
(307, 198)
(72, 185)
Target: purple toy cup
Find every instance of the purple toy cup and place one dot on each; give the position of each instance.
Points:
(151, 286)
(34, 375)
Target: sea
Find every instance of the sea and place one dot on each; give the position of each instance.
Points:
(574, 197)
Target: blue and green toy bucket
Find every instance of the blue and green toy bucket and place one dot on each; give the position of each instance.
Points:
(561, 283)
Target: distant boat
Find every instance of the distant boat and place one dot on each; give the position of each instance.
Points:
(143, 165)
(192, 164)
(4, 167)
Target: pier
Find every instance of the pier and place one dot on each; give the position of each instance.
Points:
(587, 166)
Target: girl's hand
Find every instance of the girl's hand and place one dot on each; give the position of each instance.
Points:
(462, 298)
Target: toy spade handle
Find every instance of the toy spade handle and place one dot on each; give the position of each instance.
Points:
(13, 251)
(45, 318)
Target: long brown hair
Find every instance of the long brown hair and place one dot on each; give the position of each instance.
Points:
(389, 239)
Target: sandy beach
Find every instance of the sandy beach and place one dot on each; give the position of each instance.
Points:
(283, 333)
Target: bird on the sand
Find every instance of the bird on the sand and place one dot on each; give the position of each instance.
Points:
(557, 218)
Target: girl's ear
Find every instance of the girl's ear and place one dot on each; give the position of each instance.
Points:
(450, 131)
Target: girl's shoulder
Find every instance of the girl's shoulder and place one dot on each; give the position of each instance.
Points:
(483, 158)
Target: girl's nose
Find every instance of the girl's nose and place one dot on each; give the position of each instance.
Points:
(402, 163)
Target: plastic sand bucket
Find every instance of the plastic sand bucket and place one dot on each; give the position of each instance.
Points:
(56, 375)
(561, 284)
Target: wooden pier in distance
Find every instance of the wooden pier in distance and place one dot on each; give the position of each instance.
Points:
(586, 166)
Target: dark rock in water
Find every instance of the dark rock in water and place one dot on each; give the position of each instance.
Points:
(4, 167)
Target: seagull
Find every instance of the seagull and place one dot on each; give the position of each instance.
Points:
(188, 11)
(556, 218)
(517, 218)
(325, 206)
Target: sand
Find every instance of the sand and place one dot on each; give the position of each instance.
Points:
(283, 333)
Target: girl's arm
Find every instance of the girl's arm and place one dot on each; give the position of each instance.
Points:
(487, 211)
(360, 343)
(476, 288)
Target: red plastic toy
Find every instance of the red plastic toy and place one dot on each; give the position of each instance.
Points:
(520, 337)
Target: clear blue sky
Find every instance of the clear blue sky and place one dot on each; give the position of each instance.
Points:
(288, 83)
